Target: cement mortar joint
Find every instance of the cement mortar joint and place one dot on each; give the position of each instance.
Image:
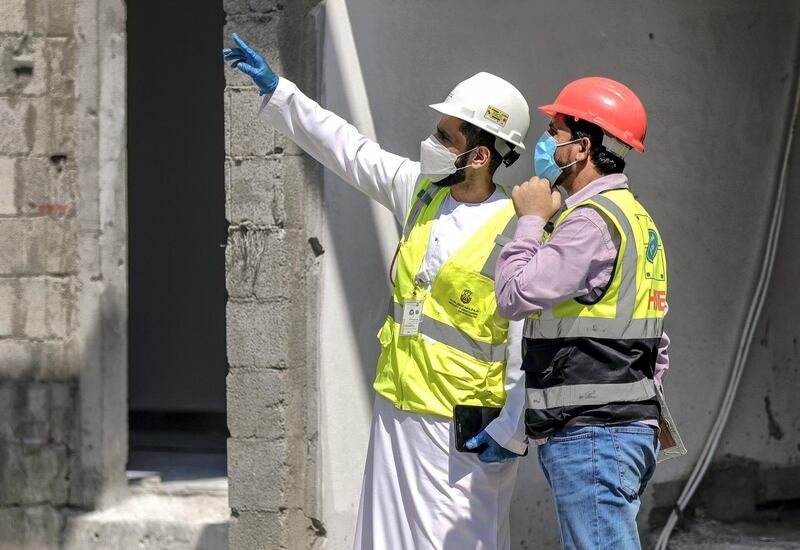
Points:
(38, 276)
(274, 156)
(279, 366)
(274, 300)
(249, 16)
(36, 339)
(249, 226)
(250, 438)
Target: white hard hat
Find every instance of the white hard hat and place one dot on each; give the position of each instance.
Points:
(492, 104)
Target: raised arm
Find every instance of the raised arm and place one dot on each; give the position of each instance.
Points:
(385, 177)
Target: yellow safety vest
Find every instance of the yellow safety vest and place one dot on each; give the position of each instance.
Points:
(458, 357)
(627, 319)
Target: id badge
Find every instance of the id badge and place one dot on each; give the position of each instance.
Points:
(671, 443)
(412, 317)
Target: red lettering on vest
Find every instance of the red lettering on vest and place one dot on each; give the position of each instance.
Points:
(658, 300)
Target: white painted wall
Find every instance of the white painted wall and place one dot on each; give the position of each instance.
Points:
(716, 78)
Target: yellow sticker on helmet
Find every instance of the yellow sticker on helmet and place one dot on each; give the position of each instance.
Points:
(496, 115)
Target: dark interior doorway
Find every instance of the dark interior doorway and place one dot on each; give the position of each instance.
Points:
(176, 224)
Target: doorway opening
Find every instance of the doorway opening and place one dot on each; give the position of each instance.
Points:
(176, 224)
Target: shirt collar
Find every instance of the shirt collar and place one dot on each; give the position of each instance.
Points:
(605, 183)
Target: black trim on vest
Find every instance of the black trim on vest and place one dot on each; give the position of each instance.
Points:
(571, 361)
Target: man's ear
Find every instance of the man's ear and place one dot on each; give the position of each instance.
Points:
(481, 157)
(584, 149)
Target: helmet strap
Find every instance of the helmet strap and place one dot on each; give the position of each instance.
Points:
(507, 152)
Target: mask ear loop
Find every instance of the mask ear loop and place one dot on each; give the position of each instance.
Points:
(574, 162)
(461, 155)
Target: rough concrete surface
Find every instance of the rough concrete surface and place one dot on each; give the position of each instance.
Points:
(153, 522)
(62, 264)
(770, 531)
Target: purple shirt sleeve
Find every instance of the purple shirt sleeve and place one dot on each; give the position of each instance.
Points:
(577, 260)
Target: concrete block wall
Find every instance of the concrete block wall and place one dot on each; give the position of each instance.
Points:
(38, 272)
(61, 86)
(273, 207)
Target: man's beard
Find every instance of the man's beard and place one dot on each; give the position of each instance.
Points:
(452, 179)
(456, 177)
(565, 173)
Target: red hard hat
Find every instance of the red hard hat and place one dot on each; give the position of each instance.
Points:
(604, 102)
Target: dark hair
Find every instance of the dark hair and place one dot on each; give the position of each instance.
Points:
(605, 162)
(476, 137)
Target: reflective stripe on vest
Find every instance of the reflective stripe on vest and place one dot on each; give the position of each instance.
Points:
(593, 327)
(425, 196)
(453, 337)
(499, 242)
(589, 394)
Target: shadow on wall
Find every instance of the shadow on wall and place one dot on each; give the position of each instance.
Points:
(355, 229)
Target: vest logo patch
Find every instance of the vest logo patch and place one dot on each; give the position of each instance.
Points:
(652, 245)
(461, 306)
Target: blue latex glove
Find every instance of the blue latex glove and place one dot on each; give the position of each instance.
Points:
(494, 452)
(247, 60)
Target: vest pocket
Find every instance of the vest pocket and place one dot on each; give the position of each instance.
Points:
(385, 334)
(386, 382)
(466, 378)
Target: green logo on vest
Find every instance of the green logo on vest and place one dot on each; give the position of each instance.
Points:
(466, 296)
(652, 245)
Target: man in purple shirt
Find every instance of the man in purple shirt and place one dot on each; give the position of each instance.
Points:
(592, 292)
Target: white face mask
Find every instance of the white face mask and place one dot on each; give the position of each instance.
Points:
(437, 161)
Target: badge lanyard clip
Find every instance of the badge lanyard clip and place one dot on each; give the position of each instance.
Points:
(412, 309)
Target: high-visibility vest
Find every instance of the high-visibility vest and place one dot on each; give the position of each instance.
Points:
(592, 362)
(458, 356)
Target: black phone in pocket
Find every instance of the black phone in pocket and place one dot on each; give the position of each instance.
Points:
(469, 420)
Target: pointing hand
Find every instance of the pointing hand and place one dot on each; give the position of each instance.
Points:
(247, 60)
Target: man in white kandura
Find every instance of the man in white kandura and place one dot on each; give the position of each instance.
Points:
(443, 342)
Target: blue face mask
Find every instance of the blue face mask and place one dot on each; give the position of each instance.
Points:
(544, 160)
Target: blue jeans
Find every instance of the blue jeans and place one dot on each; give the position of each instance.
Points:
(597, 474)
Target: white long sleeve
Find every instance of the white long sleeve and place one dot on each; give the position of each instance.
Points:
(508, 429)
(384, 177)
(390, 180)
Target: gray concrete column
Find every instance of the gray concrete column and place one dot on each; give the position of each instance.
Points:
(273, 206)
